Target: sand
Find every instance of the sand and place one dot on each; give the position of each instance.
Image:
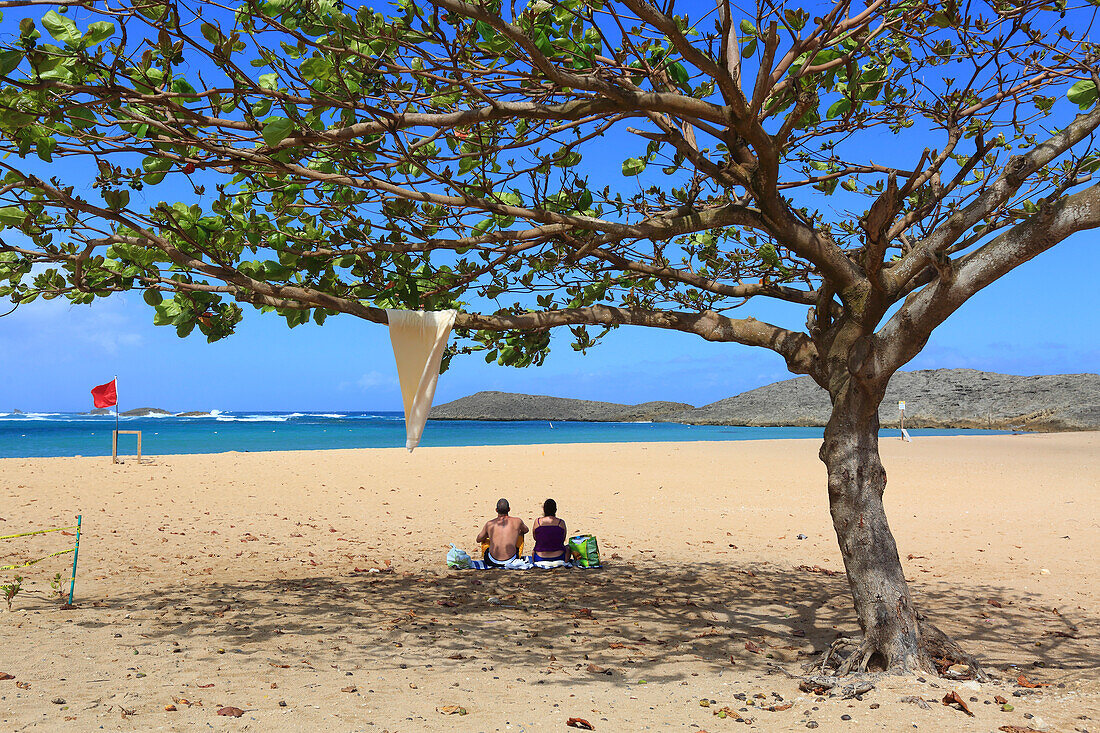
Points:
(245, 579)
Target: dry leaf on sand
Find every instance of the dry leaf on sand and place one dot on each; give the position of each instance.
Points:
(1025, 682)
(952, 698)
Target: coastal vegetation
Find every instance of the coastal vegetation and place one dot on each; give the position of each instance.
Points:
(872, 165)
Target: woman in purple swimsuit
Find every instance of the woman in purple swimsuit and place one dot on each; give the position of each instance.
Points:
(549, 533)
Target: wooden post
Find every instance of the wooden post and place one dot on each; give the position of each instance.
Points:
(114, 444)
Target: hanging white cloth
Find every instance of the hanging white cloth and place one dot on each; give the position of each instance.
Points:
(418, 339)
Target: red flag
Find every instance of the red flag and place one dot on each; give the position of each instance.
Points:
(105, 395)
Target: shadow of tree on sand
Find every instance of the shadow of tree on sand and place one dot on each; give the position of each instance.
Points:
(626, 621)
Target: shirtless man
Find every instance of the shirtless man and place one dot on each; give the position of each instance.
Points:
(503, 534)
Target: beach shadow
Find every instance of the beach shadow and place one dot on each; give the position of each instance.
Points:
(619, 624)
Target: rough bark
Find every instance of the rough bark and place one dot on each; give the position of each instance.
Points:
(896, 638)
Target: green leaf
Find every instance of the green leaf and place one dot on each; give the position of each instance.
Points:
(27, 31)
(1083, 94)
(468, 163)
(182, 86)
(45, 147)
(796, 19)
(276, 129)
(748, 28)
(211, 33)
(9, 61)
(81, 117)
(98, 32)
(566, 159)
(152, 164)
(315, 67)
(633, 166)
(62, 29)
(116, 199)
(149, 10)
(749, 49)
(940, 20)
(839, 108)
(153, 297)
(678, 73)
(543, 44)
(12, 216)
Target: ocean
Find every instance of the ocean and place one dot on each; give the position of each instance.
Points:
(69, 434)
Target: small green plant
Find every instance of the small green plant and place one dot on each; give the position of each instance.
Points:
(11, 590)
(58, 588)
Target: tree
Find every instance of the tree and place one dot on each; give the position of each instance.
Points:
(875, 165)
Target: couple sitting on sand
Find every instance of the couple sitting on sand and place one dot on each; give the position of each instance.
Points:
(504, 536)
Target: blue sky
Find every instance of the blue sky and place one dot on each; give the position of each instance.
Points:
(1038, 320)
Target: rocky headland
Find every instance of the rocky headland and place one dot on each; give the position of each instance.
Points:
(512, 406)
(937, 398)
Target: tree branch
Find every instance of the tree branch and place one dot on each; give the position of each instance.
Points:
(905, 334)
(995, 194)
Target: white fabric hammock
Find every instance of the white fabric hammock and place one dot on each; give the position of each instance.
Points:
(418, 339)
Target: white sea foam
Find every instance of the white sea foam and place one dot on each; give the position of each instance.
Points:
(325, 414)
(252, 418)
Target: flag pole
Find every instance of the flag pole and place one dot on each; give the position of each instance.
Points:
(116, 406)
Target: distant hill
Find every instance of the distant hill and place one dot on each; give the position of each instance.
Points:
(938, 398)
(511, 406)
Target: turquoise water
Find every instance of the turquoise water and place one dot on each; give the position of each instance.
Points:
(66, 434)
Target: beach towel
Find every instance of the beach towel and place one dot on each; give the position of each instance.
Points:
(523, 563)
(418, 339)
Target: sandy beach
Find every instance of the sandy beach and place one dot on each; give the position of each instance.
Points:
(245, 580)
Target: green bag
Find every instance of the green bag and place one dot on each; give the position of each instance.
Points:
(585, 551)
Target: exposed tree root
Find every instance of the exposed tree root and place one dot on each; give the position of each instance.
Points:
(944, 651)
(934, 653)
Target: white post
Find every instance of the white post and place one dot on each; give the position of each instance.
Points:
(904, 435)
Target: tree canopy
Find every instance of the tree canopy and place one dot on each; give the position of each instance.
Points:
(579, 163)
(576, 162)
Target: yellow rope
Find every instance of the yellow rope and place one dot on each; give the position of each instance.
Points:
(37, 531)
(32, 562)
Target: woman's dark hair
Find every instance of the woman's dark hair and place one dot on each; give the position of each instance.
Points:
(550, 508)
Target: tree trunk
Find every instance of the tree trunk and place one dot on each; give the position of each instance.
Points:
(896, 637)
